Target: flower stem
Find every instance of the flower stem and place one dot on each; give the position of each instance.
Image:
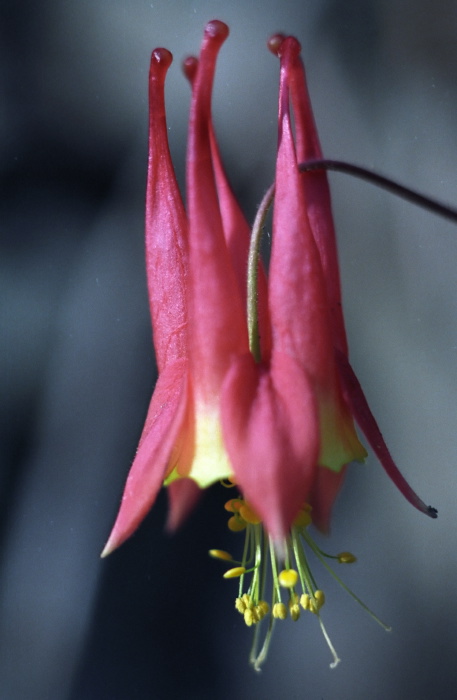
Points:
(386, 183)
(253, 271)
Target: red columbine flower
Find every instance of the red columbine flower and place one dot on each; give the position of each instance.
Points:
(266, 397)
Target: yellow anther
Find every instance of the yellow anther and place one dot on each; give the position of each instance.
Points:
(220, 554)
(316, 602)
(312, 606)
(288, 578)
(247, 600)
(235, 572)
(233, 505)
(319, 598)
(295, 612)
(240, 605)
(259, 612)
(264, 606)
(303, 519)
(236, 524)
(346, 558)
(279, 611)
(304, 601)
(248, 514)
(249, 617)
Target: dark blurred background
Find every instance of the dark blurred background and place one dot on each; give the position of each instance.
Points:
(156, 620)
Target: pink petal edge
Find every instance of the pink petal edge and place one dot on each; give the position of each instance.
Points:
(165, 417)
(359, 406)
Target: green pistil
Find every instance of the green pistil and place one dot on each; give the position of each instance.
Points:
(302, 564)
(274, 570)
(247, 558)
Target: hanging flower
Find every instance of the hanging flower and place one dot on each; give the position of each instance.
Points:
(254, 384)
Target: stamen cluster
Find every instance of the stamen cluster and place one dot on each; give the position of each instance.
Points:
(281, 571)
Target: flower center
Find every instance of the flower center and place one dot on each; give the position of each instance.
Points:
(275, 580)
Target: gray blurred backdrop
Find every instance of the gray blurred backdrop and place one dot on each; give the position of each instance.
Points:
(155, 620)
